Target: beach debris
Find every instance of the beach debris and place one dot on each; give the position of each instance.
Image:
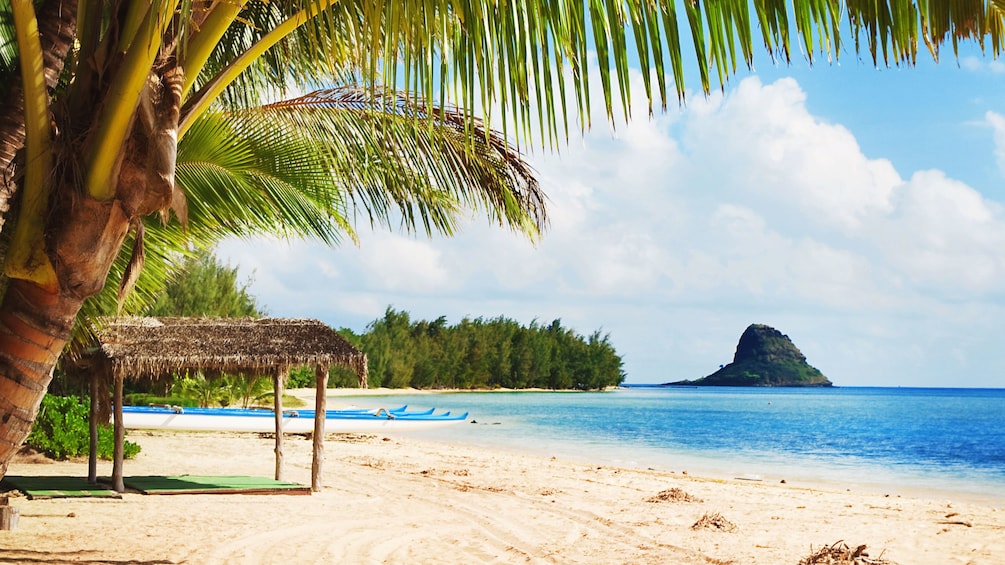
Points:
(840, 553)
(957, 523)
(714, 522)
(349, 437)
(673, 495)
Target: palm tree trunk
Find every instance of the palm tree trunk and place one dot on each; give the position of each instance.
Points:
(34, 327)
(34, 324)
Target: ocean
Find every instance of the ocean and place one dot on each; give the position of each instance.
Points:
(911, 440)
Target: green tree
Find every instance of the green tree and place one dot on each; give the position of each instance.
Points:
(487, 354)
(204, 287)
(100, 98)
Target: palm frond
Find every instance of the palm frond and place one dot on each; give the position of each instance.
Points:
(511, 58)
(243, 178)
(393, 152)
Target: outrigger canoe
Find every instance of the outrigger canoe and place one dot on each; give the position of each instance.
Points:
(360, 420)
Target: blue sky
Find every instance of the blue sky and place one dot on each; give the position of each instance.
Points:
(859, 211)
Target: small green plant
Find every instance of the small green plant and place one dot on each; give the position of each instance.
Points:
(61, 430)
(207, 393)
(248, 390)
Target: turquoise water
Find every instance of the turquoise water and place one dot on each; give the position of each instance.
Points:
(949, 440)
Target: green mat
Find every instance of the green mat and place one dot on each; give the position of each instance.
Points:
(39, 487)
(195, 484)
(44, 486)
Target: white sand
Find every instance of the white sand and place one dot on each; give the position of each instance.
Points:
(401, 500)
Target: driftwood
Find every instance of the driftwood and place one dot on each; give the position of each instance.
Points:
(839, 553)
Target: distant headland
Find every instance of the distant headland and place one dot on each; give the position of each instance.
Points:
(764, 357)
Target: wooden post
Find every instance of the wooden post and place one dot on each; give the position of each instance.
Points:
(320, 406)
(92, 454)
(8, 515)
(120, 438)
(277, 389)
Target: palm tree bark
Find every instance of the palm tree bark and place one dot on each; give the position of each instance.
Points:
(34, 327)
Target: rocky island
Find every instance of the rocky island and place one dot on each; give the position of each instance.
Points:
(764, 357)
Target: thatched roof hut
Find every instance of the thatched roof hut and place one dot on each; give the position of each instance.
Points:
(134, 348)
(155, 348)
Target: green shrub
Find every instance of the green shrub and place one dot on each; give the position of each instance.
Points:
(61, 430)
(301, 377)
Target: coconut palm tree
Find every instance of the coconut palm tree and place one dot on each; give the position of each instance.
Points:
(304, 166)
(104, 99)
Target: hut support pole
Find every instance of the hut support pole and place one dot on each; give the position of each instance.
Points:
(92, 453)
(277, 389)
(120, 438)
(320, 406)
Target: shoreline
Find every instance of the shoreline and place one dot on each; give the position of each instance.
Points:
(308, 394)
(860, 475)
(731, 470)
(400, 499)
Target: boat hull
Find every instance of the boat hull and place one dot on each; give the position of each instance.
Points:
(191, 419)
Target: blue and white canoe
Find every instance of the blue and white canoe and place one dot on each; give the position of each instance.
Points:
(294, 421)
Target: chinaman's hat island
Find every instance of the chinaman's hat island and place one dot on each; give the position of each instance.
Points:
(764, 357)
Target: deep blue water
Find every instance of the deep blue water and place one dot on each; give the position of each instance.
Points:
(909, 438)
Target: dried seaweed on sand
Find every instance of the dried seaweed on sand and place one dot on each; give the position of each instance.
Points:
(714, 522)
(673, 495)
(839, 553)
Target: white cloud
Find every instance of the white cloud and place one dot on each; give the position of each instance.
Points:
(945, 237)
(771, 152)
(399, 263)
(675, 233)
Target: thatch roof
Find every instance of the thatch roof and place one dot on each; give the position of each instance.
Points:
(155, 347)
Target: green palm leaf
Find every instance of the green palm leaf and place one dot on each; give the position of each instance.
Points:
(425, 163)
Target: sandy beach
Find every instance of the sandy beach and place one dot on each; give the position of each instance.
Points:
(396, 499)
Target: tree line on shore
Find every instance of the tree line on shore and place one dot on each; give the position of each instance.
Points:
(485, 353)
